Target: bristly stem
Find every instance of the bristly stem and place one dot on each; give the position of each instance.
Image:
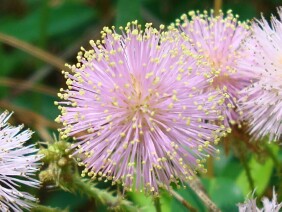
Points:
(43, 208)
(157, 204)
(179, 198)
(197, 187)
(63, 171)
(183, 201)
(79, 185)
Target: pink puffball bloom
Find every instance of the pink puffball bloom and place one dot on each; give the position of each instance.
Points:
(136, 105)
(18, 164)
(218, 39)
(262, 104)
(268, 206)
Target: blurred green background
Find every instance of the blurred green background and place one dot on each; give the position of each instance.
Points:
(30, 79)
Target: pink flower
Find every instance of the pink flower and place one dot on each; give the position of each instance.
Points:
(18, 164)
(136, 104)
(268, 206)
(218, 40)
(262, 104)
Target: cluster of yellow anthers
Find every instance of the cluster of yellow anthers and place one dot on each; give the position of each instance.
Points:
(138, 104)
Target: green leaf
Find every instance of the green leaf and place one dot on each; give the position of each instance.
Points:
(147, 204)
(128, 11)
(190, 196)
(71, 16)
(10, 60)
(63, 199)
(245, 10)
(224, 193)
(261, 174)
(60, 19)
(227, 166)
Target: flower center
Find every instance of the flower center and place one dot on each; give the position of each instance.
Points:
(220, 80)
(139, 100)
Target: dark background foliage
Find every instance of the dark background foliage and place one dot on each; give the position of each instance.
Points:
(28, 86)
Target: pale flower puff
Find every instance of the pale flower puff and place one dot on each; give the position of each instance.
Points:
(18, 164)
(268, 206)
(262, 103)
(218, 39)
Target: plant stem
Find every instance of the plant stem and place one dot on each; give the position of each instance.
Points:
(217, 6)
(36, 52)
(103, 196)
(43, 208)
(21, 84)
(183, 201)
(196, 186)
(157, 204)
(247, 168)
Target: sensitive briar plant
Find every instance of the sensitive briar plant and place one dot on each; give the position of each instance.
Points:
(18, 164)
(61, 171)
(218, 39)
(137, 107)
(262, 103)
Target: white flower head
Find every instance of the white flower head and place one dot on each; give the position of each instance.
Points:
(18, 164)
(268, 205)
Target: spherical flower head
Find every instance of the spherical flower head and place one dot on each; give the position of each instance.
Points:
(218, 39)
(136, 105)
(18, 165)
(262, 103)
(268, 206)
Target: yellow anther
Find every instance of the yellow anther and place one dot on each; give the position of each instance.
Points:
(188, 121)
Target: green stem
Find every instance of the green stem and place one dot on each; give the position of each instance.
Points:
(157, 204)
(103, 196)
(247, 169)
(43, 208)
(34, 51)
(183, 201)
(197, 187)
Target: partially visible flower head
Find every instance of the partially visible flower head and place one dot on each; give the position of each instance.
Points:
(268, 206)
(218, 39)
(18, 164)
(262, 104)
(136, 104)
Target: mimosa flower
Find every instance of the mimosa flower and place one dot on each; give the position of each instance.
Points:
(262, 104)
(18, 164)
(268, 206)
(218, 39)
(136, 104)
